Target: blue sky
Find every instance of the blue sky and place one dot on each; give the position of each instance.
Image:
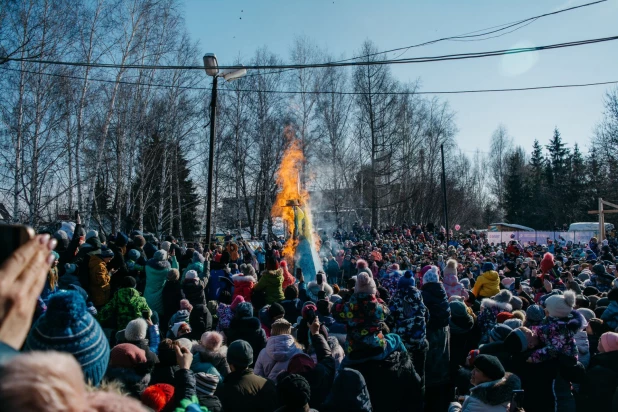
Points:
(340, 26)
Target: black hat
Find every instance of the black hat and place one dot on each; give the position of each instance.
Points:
(106, 253)
(590, 290)
(294, 391)
(240, 354)
(516, 341)
(275, 310)
(490, 366)
(129, 282)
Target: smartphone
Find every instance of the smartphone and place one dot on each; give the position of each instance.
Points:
(517, 283)
(146, 314)
(517, 400)
(11, 238)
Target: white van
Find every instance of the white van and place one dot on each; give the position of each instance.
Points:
(589, 227)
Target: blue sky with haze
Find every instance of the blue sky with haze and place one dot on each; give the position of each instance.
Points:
(340, 26)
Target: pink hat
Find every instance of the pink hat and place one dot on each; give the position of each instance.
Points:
(609, 341)
(508, 281)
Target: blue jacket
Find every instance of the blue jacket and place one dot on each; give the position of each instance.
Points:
(610, 316)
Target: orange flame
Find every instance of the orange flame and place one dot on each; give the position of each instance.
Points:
(288, 180)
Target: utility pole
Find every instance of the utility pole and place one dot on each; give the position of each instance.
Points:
(444, 194)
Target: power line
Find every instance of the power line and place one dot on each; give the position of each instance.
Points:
(428, 59)
(561, 86)
(461, 37)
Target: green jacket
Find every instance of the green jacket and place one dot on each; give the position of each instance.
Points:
(126, 305)
(156, 276)
(271, 283)
(245, 391)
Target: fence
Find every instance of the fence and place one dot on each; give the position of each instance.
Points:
(539, 237)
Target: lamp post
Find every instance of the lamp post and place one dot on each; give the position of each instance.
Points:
(212, 69)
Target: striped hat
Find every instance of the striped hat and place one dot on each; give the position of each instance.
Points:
(206, 383)
(68, 327)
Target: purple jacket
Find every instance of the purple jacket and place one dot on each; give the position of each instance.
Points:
(274, 358)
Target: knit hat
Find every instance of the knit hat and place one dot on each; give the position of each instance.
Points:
(599, 269)
(121, 239)
(609, 341)
(127, 355)
(67, 326)
(62, 238)
(502, 316)
(197, 257)
(136, 330)
(458, 309)
(185, 305)
(499, 332)
(158, 397)
(191, 275)
(240, 354)
(490, 366)
(281, 327)
(92, 233)
(160, 255)
(586, 313)
(516, 303)
(516, 341)
(547, 263)
(513, 323)
(133, 254)
(206, 383)
(560, 306)
(504, 296)
(271, 263)
(507, 282)
(301, 363)
(128, 282)
(237, 301)
(365, 284)
(431, 276)
(176, 327)
(487, 266)
(294, 391)
(473, 354)
(106, 253)
(70, 268)
(244, 310)
(139, 240)
(406, 280)
(276, 310)
(465, 283)
(590, 291)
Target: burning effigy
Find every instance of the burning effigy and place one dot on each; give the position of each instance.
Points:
(293, 206)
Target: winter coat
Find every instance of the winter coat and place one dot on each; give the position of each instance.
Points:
(292, 310)
(200, 321)
(332, 270)
(217, 359)
(215, 285)
(464, 336)
(225, 314)
(610, 316)
(349, 393)
(99, 281)
(313, 289)
(172, 295)
(599, 391)
(537, 380)
(393, 384)
(488, 315)
(271, 283)
(156, 276)
(558, 336)
(247, 329)
(288, 279)
(434, 298)
(453, 287)
(494, 396)
(126, 305)
(391, 282)
(583, 347)
(274, 358)
(212, 403)
(194, 292)
(364, 314)
(408, 318)
(487, 285)
(245, 391)
(321, 377)
(243, 286)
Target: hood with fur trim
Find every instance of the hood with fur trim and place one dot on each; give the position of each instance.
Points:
(496, 392)
(490, 304)
(243, 278)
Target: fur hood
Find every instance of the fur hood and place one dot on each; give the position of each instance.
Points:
(159, 264)
(243, 278)
(315, 288)
(497, 392)
(491, 304)
(199, 349)
(274, 273)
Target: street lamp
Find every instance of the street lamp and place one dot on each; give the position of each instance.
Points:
(212, 69)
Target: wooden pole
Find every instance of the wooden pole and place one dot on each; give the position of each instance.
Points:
(601, 221)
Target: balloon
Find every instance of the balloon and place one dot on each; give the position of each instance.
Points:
(457, 227)
(512, 235)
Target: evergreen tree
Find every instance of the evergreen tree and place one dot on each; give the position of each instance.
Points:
(576, 199)
(515, 190)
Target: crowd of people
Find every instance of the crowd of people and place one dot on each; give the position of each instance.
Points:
(400, 319)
